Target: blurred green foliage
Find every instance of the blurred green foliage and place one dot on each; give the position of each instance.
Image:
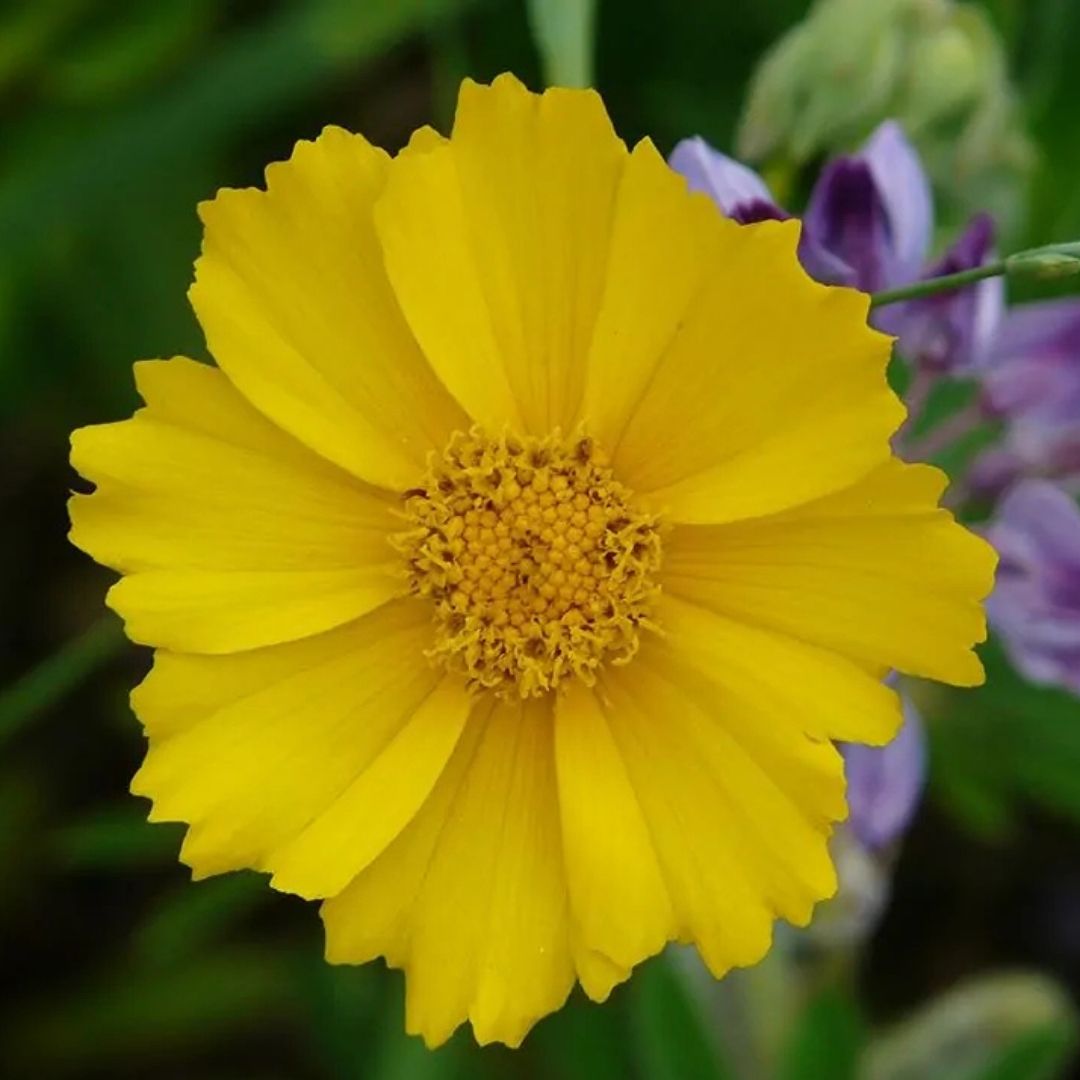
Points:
(119, 116)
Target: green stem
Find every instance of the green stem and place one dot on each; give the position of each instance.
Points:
(1045, 263)
(57, 675)
(933, 286)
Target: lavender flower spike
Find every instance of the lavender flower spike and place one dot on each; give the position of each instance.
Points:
(884, 784)
(1035, 605)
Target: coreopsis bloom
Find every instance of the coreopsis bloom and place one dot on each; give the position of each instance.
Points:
(515, 567)
(1035, 606)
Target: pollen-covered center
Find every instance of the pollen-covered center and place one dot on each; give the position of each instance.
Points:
(538, 563)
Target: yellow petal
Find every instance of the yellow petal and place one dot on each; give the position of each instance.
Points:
(382, 800)
(738, 841)
(253, 748)
(805, 688)
(618, 899)
(723, 380)
(497, 247)
(869, 572)
(232, 534)
(293, 298)
(471, 897)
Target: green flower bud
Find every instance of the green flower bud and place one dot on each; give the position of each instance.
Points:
(935, 65)
(967, 1030)
(818, 84)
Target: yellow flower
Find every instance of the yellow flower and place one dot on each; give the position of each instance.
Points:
(513, 570)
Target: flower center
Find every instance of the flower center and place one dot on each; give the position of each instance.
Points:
(537, 562)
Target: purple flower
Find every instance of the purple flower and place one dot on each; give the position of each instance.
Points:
(954, 331)
(734, 187)
(1035, 605)
(874, 212)
(743, 196)
(1031, 379)
(847, 218)
(905, 193)
(994, 471)
(884, 783)
(1033, 369)
(868, 224)
(870, 215)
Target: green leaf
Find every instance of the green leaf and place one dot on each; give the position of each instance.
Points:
(195, 914)
(670, 1029)
(1040, 1054)
(131, 45)
(596, 1035)
(399, 1056)
(117, 838)
(563, 31)
(127, 1016)
(27, 31)
(1015, 1026)
(249, 77)
(1004, 743)
(826, 1040)
(59, 674)
(342, 1002)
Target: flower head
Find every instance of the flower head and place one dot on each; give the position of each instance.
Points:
(515, 567)
(1035, 606)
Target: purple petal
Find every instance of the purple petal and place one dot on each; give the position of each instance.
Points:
(1034, 387)
(751, 211)
(994, 471)
(1038, 526)
(953, 331)
(1035, 605)
(742, 195)
(1032, 379)
(1033, 366)
(729, 183)
(1048, 327)
(989, 310)
(884, 783)
(821, 264)
(905, 192)
(846, 216)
